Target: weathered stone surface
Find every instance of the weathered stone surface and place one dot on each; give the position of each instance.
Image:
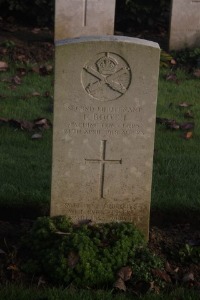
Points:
(185, 24)
(104, 118)
(75, 18)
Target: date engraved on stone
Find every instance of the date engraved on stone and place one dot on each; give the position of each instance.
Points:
(106, 77)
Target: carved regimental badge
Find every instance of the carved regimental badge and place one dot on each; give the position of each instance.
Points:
(106, 77)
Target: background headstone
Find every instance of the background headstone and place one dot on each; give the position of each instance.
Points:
(104, 119)
(185, 24)
(75, 18)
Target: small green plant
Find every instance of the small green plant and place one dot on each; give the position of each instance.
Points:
(190, 57)
(190, 254)
(85, 255)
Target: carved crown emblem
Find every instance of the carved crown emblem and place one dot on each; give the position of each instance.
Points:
(106, 65)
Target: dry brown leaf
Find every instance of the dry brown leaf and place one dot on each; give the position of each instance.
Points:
(188, 277)
(168, 268)
(189, 115)
(16, 80)
(120, 285)
(125, 273)
(197, 73)
(36, 136)
(162, 274)
(187, 126)
(13, 268)
(73, 259)
(42, 123)
(173, 62)
(184, 104)
(188, 135)
(36, 94)
(36, 30)
(3, 66)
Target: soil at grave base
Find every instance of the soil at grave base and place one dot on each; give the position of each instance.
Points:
(165, 242)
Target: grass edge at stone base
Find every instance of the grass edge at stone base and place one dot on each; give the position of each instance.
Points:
(14, 292)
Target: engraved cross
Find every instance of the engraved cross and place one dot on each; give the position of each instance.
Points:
(102, 161)
(85, 8)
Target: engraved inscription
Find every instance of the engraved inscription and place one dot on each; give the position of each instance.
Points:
(102, 161)
(106, 121)
(106, 77)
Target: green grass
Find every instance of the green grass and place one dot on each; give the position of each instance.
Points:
(176, 184)
(26, 164)
(12, 292)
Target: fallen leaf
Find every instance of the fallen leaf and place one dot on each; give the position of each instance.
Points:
(13, 268)
(171, 124)
(3, 66)
(120, 285)
(188, 135)
(45, 70)
(125, 273)
(188, 277)
(22, 124)
(42, 123)
(173, 62)
(168, 268)
(36, 136)
(187, 126)
(184, 104)
(162, 274)
(73, 259)
(189, 115)
(16, 80)
(41, 281)
(3, 120)
(172, 77)
(197, 73)
(21, 57)
(36, 30)
(36, 94)
(35, 69)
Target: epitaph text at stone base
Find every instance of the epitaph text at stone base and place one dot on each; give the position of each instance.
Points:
(104, 119)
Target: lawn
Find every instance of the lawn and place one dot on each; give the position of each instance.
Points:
(25, 162)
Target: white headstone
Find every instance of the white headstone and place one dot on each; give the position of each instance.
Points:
(185, 24)
(75, 18)
(104, 119)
